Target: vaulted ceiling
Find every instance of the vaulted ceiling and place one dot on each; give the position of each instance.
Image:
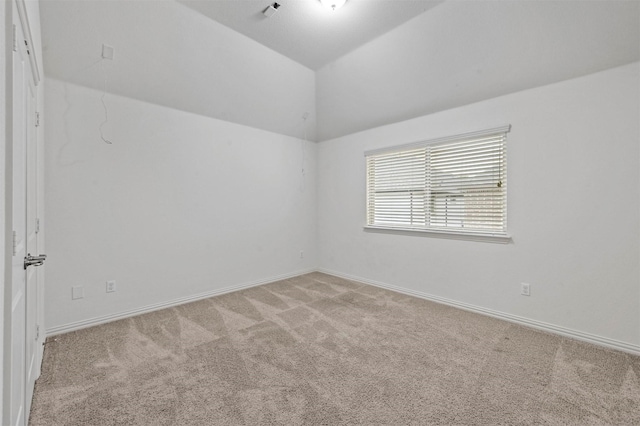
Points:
(370, 63)
(308, 32)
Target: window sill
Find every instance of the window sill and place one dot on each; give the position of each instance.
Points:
(466, 236)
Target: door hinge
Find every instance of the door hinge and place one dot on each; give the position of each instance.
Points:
(37, 119)
(15, 242)
(37, 225)
(15, 40)
(37, 332)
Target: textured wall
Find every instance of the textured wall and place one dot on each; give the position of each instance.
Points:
(573, 209)
(179, 204)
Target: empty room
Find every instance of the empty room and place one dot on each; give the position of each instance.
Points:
(320, 212)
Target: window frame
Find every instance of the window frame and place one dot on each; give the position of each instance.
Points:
(485, 235)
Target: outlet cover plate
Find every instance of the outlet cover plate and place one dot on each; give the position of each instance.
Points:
(77, 292)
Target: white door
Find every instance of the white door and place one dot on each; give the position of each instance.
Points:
(31, 243)
(24, 298)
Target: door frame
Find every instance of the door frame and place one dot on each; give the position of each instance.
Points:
(27, 15)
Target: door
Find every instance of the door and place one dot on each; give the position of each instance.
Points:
(31, 244)
(25, 348)
(18, 296)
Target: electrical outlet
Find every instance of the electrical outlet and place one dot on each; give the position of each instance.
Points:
(301, 254)
(111, 286)
(77, 292)
(525, 289)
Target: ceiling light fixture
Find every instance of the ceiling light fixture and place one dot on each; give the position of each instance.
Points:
(333, 4)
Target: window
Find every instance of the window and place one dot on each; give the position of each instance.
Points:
(455, 185)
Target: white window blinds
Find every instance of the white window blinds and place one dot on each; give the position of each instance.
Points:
(456, 184)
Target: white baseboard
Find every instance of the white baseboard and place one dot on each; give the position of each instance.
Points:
(551, 328)
(66, 328)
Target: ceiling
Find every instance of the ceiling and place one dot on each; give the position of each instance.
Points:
(307, 32)
(371, 63)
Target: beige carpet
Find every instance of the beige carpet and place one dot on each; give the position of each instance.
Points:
(320, 350)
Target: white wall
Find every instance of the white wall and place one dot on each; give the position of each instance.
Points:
(179, 204)
(461, 52)
(171, 55)
(573, 209)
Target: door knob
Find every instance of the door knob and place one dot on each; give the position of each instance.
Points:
(34, 260)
